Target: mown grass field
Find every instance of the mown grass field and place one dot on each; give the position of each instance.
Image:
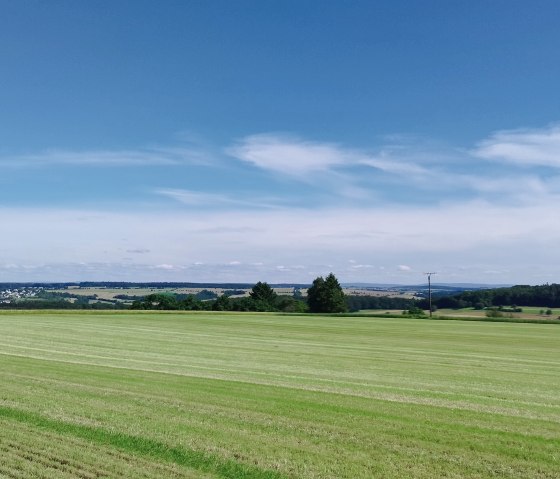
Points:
(208, 395)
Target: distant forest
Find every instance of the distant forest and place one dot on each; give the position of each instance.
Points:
(545, 296)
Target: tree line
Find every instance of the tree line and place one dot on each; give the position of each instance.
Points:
(324, 296)
(544, 296)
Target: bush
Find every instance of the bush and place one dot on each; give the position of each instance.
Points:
(415, 312)
(493, 313)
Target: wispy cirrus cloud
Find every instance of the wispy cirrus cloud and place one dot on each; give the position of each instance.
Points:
(294, 156)
(202, 199)
(410, 166)
(527, 147)
(290, 155)
(158, 156)
(327, 166)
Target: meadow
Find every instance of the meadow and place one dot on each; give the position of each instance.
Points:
(225, 395)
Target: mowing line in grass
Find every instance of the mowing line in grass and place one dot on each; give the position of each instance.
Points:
(147, 447)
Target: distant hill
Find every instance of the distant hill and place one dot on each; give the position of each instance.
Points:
(425, 285)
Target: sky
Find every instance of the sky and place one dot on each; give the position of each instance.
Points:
(277, 141)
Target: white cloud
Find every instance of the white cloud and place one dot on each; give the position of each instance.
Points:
(396, 166)
(329, 167)
(291, 155)
(530, 147)
(162, 156)
(164, 266)
(404, 267)
(294, 156)
(419, 167)
(198, 198)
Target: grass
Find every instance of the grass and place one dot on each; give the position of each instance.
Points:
(268, 396)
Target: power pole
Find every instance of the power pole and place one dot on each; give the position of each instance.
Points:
(429, 275)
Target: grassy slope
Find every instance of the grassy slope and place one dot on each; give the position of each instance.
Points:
(225, 395)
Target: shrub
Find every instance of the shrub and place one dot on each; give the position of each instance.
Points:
(493, 313)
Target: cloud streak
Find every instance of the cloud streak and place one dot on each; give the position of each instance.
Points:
(290, 155)
(525, 147)
(356, 176)
(202, 199)
(164, 156)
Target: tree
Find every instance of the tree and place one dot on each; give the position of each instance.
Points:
(289, 304)
(159, 301)
(326, 296)
(264, 294)
(223, 303)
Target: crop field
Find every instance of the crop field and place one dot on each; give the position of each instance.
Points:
(225, 395)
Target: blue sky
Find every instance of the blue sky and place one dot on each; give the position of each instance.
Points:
(279, 140)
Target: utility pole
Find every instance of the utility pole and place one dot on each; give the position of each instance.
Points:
(429, 275)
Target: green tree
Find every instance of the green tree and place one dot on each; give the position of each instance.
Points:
(157, 301)
(326, 296)
(223, 303)
(190, 303)
(263, 294)
(289, 304)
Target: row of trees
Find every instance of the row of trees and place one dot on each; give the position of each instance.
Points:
(357, 303)
(545, 296)
(324, 296)
(261, 298)
(61, 304)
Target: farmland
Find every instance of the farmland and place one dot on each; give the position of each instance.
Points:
(200, 395)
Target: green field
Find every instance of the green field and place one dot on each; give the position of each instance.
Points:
(208, 395)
